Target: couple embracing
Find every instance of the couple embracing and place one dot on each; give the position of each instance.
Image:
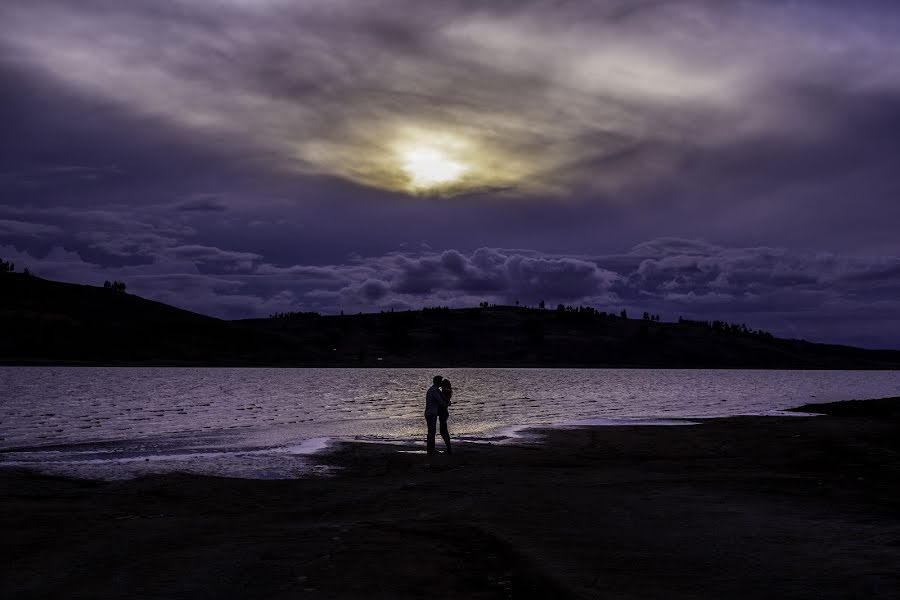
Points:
(437, 401)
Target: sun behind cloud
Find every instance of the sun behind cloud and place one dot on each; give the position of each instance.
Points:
(429, 168)
(435, 160)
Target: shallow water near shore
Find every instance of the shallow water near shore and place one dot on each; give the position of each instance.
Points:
(261, 423)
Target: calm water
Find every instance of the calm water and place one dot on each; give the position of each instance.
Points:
(121, 422)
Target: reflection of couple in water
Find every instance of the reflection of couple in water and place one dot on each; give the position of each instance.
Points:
(437, 401)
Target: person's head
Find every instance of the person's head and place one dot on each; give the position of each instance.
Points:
(437, 380)
(446, 383)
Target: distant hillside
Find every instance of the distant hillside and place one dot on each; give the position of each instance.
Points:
(50, 322)
(879, 408)
(511, 336)
(47, 321)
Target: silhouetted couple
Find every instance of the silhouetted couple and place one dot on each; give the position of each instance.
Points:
(437, 403)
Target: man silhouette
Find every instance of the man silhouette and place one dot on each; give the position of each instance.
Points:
(435, 405)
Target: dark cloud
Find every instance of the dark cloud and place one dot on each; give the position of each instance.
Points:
(24, 229)
(491, 272)
(202, 203)
(209, 254)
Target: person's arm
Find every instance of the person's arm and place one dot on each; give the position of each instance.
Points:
(439, 398)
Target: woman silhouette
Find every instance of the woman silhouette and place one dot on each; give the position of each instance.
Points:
(444, 413)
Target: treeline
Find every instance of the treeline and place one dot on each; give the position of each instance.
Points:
(435, 310)
(730, 328)
(7, 266)
(587, 311)
(578, 313)
(116, 286)
(295, 314)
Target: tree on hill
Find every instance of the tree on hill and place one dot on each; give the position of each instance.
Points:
(727, 328)
(7, 266)
(116, 286)
(295, 315)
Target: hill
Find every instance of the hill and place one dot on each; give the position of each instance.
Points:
(51, 322)
(45, 321)
(880, 408)
(512, 336)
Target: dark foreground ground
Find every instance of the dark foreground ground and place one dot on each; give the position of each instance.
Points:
(805, 507)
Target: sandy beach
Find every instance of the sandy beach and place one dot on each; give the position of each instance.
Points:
(750, 507)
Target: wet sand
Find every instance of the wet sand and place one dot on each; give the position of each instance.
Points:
(751, 507)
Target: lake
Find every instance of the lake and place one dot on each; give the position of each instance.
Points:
(261, 423)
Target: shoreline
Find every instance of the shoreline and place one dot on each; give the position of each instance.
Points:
(751, 507)
(310, 448)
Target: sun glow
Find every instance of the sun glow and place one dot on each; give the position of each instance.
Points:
(428, 167)
(445, 161)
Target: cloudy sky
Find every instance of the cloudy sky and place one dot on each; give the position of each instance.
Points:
(712, 159)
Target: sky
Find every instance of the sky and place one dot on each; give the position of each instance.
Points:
(708, 159)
